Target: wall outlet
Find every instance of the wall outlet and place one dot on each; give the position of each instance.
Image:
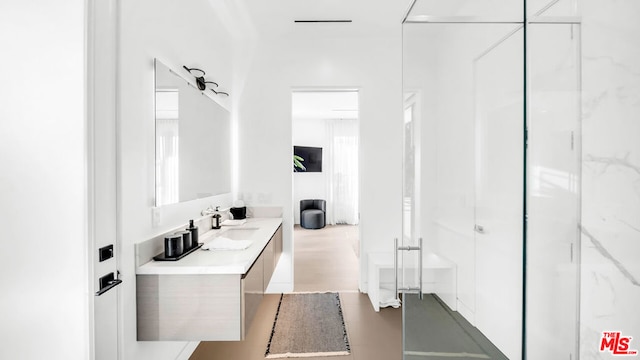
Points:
(156, 217)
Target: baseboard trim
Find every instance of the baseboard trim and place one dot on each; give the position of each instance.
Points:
(279, 288)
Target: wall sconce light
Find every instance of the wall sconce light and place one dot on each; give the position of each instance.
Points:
(201, 82)
(216, 92)
(219, 92)
(199, 75)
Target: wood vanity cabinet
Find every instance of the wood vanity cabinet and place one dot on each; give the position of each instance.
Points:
(277, 239)
(252, 292)
(204, 307)
(271, 255)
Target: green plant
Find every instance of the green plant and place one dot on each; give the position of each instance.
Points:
(297, 163)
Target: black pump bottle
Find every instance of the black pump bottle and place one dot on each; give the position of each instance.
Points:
(194, 233)
(216, 219)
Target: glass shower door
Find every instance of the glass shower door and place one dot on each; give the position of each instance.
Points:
(470, 82)
(499, 183)
(553, 190)
(499, 178)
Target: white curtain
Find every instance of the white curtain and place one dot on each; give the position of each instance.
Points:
(342, 172)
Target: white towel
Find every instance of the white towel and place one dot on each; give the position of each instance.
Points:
(223, 243)
(231, 222)
(388, 298)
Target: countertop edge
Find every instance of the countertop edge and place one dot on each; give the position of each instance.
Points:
(199, 263)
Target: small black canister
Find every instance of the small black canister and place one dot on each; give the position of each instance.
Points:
(239, 213)
(173, 245)
(187, 243)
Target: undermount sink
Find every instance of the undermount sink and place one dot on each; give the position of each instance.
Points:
(239, 234)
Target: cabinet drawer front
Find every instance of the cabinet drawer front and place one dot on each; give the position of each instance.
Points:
(252, 292)
(188, 307)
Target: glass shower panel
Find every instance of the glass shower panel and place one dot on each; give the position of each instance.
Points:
(411, 168)
(408, 277)
(464, 75)
(553, 190)
(552, 8)
(496, 10)
(499, 182)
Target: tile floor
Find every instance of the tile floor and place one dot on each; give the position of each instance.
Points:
(448, 334)
(325, 260)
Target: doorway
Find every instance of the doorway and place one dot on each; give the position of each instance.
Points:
(325, 144)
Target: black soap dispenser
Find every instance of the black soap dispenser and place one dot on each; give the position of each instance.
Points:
(194, 233)
(216, 219)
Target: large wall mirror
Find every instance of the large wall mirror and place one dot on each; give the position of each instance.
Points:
(193, 146)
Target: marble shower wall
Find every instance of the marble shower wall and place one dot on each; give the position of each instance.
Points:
(610, 227)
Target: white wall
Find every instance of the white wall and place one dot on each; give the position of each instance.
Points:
(309, 185)
(313, 57)
(178, 33)
(44, 266)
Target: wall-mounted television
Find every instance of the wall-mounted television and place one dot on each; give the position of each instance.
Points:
(311, 158)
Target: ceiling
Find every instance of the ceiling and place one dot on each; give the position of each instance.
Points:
(276, 17)
(323, 105)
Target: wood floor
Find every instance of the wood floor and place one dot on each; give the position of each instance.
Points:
(324, 260)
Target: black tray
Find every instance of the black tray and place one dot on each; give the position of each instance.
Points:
(161, 257)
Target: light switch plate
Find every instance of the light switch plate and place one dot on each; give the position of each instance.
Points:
(105, 253)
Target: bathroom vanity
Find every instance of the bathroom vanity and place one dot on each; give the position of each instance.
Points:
(210, 295)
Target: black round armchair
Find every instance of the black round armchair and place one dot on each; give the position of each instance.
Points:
(313, 214)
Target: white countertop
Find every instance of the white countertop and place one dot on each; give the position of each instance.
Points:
(218, 261)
